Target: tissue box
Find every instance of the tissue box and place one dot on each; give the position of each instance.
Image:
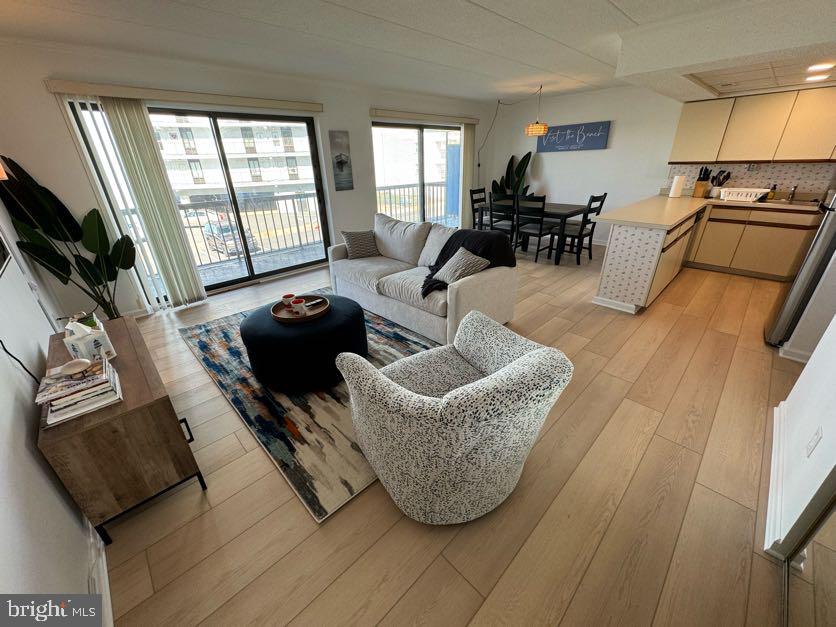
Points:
(93, 345)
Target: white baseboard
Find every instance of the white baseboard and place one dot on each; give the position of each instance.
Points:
(794, 354)
(616, 304)
(98, 581)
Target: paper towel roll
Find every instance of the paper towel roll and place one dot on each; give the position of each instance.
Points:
(676, 186)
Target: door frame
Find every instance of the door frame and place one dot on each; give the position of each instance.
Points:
(422, 207)
(213, 117)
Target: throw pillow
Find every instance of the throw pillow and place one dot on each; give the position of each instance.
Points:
(360, 244)
(439, 234)
(400, 240)
(462, 264)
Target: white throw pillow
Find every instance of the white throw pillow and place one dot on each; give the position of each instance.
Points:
(400, 240)
(439, 234)
(462, 264)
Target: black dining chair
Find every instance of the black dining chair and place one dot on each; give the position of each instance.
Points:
(531, 213)
(479, 207)
(502, 215)
(577, 232)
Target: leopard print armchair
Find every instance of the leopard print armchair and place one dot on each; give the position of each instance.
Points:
(448, 430)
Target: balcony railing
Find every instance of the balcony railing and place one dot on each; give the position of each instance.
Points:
(281, 231)
(403, 202)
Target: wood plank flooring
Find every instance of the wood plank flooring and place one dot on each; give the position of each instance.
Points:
(641, 503)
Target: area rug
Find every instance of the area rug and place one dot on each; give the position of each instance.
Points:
(309, 436)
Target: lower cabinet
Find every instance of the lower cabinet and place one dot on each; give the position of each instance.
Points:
(718, 243)
(772, 249)
(669, 264)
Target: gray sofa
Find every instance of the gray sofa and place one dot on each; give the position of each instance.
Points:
(390, 284)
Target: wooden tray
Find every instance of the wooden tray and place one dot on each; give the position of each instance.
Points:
(286, 316)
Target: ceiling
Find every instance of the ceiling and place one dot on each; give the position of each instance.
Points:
(769, 75)
(477, 49)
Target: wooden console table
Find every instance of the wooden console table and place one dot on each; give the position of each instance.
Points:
(116, 458)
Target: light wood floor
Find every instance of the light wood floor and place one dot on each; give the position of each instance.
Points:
(643, 501)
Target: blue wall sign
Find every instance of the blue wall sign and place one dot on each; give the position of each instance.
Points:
(584, 136)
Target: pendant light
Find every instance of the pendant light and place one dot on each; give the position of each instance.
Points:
(538, 128)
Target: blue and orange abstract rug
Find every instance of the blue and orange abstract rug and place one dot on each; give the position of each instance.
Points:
(309, 436)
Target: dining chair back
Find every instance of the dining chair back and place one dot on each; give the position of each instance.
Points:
(503, 213)
(478, 206)
(579, 232)
(531, 213)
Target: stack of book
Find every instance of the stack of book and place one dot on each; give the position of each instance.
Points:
(69, 396)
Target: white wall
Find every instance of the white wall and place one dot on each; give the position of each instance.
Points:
(633, 167)
(817, 315)
(44, 539)
(34, 132)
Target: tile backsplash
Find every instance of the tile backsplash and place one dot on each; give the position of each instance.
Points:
(815, 178)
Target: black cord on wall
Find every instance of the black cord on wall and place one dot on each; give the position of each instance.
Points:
(22, 365)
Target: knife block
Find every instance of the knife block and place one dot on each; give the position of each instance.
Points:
(701, 189)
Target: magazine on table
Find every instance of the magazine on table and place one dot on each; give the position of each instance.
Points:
(108, 396)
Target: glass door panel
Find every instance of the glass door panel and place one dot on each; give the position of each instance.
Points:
(271, 165)
(442, 175)
(187, 145)
(397, 169)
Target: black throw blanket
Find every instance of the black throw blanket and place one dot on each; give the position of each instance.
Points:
(491, 245)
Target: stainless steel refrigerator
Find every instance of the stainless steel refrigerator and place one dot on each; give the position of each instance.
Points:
(821, 250)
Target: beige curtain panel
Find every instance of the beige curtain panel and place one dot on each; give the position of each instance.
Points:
(468, 151)
(140, 155)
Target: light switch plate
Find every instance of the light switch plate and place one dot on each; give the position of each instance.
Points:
(811, 445)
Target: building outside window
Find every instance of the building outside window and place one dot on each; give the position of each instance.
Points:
(292, 168)
(255, 169)
(197, 171)
(287, 138)
(187, 136)
(249, 139)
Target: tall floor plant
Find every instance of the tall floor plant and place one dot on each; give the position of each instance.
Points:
(53, 238)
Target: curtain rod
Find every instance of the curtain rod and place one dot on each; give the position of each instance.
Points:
(57, 86)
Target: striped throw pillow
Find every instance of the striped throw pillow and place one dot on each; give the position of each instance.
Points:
(462, 264)
(360, 244)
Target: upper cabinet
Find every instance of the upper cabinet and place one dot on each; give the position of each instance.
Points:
(700, 130)
(755, 127)
(811, 129)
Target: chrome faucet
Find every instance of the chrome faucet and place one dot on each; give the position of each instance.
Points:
(792, 193)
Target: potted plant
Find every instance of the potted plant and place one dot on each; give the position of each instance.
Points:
(50, 236)
(514, 180)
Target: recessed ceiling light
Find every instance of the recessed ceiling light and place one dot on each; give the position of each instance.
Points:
(820, 67)
(815, 78)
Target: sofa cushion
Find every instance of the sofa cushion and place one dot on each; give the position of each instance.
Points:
(400, 240)
(406, 287)
(438, 236)
(360, 244)
(366, 272)
(433, 372)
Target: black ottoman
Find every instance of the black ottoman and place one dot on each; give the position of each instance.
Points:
(300, 357)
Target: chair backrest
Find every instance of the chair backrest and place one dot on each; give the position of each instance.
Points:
(478, 199)
(593, 207)
(531, 210)
(503, 206)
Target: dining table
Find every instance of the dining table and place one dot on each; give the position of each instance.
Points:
(557, 213)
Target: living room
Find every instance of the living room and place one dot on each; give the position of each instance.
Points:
(323, 227)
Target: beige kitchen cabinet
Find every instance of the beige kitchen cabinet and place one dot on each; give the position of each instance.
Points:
(811, 130)
(755, 127)
(774, 250)
(718, 242)
(700, 130)
(670, 262)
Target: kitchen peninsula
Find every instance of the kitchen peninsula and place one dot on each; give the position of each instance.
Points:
(652, 239)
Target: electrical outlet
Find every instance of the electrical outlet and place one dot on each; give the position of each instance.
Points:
(814, 441)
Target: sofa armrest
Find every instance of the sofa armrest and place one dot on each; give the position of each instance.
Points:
(492, 291)
(335, 253)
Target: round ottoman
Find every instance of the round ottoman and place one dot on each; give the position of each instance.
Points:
(300, 357)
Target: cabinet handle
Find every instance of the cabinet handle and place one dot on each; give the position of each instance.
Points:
(185, 423)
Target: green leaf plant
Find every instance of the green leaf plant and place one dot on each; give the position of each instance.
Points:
(513, 181)
(50, 236)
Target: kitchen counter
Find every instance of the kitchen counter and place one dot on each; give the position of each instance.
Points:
(652, 239)
(662, 212)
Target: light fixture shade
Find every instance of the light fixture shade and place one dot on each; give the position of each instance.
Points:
(536, 129)
(3, 175)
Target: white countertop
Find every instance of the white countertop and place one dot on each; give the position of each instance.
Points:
(662, 212)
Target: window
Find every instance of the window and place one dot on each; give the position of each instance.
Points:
(292, 168)
(418, 172)
(246, 219)
(187, 136)
(255, 169)
(197, 172)
(249, 140)
(287, 138)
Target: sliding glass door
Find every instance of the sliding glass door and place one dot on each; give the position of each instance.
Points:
(418, 172)
(248, 190)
